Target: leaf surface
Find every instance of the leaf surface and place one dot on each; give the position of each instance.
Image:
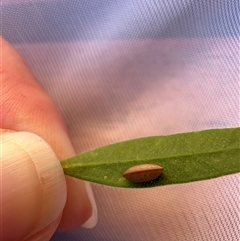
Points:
(186, 157)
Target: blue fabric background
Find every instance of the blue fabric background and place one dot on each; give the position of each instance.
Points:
(125, 69)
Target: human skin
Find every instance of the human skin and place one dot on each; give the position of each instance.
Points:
(25, 106)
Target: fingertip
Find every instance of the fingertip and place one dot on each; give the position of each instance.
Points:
(33, 185)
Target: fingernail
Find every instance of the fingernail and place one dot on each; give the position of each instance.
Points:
(33, 185)
(92, 221)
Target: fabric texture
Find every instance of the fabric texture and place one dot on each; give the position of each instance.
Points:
(125, 69)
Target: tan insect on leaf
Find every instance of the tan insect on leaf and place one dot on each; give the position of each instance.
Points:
(143, 173)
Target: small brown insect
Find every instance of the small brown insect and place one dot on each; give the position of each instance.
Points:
(143, 173)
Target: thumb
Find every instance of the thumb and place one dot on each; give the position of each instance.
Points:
(33, 189)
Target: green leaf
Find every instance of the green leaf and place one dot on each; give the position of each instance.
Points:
(185, 157)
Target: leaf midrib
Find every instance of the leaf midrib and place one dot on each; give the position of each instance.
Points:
(92, 164)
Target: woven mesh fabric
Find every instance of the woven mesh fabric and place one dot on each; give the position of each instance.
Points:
(125, 69)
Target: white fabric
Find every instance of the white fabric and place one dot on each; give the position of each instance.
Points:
(125, 69)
